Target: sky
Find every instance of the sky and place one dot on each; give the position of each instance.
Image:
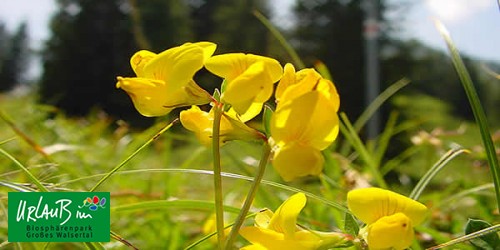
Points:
(474, 25)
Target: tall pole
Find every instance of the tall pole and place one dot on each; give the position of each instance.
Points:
(371, 34)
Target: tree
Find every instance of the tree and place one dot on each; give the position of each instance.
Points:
(332, 31)
(16, 55)
(91, 44)
(163, 23)
(232, 25)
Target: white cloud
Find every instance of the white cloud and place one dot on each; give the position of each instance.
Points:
(457, 10)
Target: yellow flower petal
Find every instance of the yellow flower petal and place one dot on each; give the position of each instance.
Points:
(188, 95)
(286, 80)
(165, 80)
(177, 65)
(305, 81)
(231, 65)
(263, 218)
(253, 247)
(139, 59)
(310, 120)
(371, 204)
(253, 86)
(284, 219)
(272, 240)
(391, 232)
(249, 80)
(147, 95)
(208, 49)
(293, 160)
(201, 123)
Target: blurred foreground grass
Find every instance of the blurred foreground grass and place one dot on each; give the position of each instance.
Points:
(80, 150)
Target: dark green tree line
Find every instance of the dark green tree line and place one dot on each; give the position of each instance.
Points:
(92, 42)
(14, 57)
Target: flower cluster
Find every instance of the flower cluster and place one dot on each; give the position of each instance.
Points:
(305, 121)
(389, 217)
(279, 230)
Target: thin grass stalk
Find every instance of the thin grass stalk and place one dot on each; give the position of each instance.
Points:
(35, 181)
(224, 174)
(372, 108)
(477, 109)
(424, 181)
(266, 153)
(351, 135)
(489, 230)
(206, 237)
(378, 101)
(219, 209)
(24, 136)
(132, 155)
(281, 39)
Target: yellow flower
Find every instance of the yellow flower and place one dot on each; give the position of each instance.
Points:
(201, 123)
(279, 230)
(389, 216)
(164, 81)
(305, 122)
(210, 226)
(249, 80)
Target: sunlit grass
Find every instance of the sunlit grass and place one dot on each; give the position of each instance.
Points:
(162, 186)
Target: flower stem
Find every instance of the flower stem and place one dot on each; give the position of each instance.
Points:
(219, 210)
(266, 153)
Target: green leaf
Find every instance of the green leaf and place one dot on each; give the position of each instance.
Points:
(488, 241)
(477, 109)
(350, 225)
(216, 93)
(267, 115)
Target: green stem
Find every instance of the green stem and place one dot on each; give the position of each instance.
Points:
(266, 153)
(219, 210)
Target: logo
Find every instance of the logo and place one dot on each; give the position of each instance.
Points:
(94, 203)
(57, 217)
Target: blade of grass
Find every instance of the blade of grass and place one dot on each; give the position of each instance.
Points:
(24, 136)
(162, 204)
(223, 174)
(477, 109)
(35, 181)
(384, 139)
(370, 110)
(117, 237)
(7, 140)
(351, 135)
(424, 181)
(17, 187)
(281, 39)
(381, 99)
(132, 155)
(464, 193)
(93, 245)
(467, 237)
